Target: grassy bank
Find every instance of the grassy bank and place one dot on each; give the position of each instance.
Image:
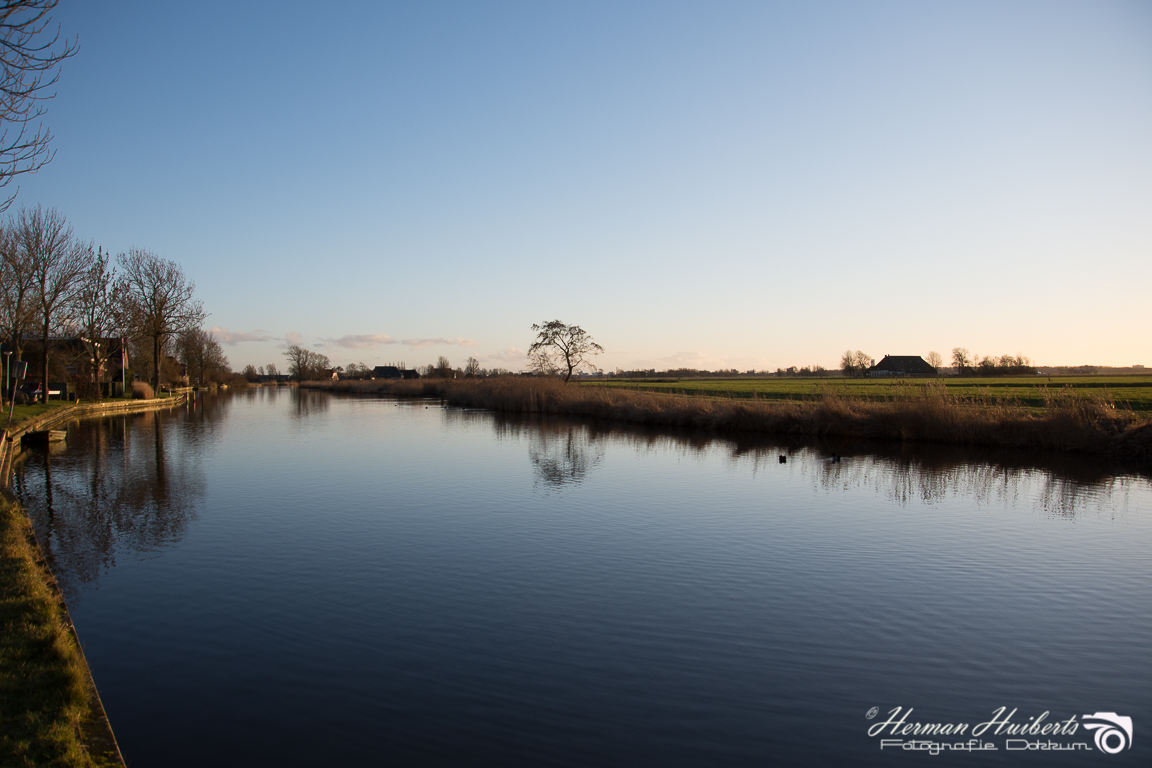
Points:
(1067, 420)
(44, 697)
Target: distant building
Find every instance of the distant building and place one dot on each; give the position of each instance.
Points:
(392, 372)
(901, 365)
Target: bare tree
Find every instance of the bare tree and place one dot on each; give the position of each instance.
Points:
(30, 57)
(848, 364)
(202, 355)
(935, 360)
(17, 315)
(159, 301)
(57, 262)
(472, 368)
(961, 359)
(299, 360)
(304, 364)
(96, 315)
(561, 348)
(442, 369)
(854, 364)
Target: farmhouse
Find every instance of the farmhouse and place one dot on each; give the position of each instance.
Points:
(392, 372)
(901, 365)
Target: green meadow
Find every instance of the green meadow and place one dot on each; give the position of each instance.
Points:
(1129, 392)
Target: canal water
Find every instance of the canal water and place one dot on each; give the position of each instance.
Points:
(297, 579)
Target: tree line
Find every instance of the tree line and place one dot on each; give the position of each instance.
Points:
(968, 364)
(60, 294)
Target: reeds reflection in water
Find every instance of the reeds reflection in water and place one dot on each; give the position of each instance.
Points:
(564, 451)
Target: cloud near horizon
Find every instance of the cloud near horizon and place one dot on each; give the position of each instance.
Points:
(457, 342)
(232, 338)
(509, 355)
(361, 341)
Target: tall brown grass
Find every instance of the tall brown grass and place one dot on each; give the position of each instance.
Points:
(1069, 421)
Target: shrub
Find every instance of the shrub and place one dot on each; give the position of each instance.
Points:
(141, 390)
(85, 389)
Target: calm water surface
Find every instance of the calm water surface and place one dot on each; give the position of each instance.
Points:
(283, 578)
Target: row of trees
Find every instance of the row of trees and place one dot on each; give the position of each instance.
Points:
(306, 365)
(990, 365)
(52, 285)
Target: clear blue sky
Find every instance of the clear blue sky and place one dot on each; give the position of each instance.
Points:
(704, 184)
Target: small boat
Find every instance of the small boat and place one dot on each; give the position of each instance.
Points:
(46, 437)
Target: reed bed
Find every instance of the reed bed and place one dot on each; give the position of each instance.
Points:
(1069, 420)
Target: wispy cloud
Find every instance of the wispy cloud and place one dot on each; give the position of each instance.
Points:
(232, 338)
(361, 341)
(457, 342)
(509, 355)
(294, 338)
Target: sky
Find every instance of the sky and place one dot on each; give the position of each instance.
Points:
(709, 185)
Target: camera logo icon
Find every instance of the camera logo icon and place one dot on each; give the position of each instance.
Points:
(1114, 734)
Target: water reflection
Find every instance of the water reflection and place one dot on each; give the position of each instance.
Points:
(124, 484)
(307, 403)
(563, 452)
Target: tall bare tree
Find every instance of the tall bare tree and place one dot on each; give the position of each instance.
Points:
(30, 57)
(848, 364)
(159, 301)
(201, 353)
(57, 261)
(442, 368)
(854, 364)
(304, 364)
(96, 312)
(961, 359)
(17, 310)
(935, 360)
(561, 348)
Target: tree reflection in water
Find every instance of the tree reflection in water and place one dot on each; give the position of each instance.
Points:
(307, 402)
(120, 487)
(563, 451)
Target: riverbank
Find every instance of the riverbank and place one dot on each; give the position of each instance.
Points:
(55, 415)
(51, 713)
(1069, 421)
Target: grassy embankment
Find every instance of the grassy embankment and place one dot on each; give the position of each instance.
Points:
(1089, 421)
(21, 413)
(44, 697)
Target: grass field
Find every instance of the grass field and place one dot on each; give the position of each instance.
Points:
(1127, 392)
